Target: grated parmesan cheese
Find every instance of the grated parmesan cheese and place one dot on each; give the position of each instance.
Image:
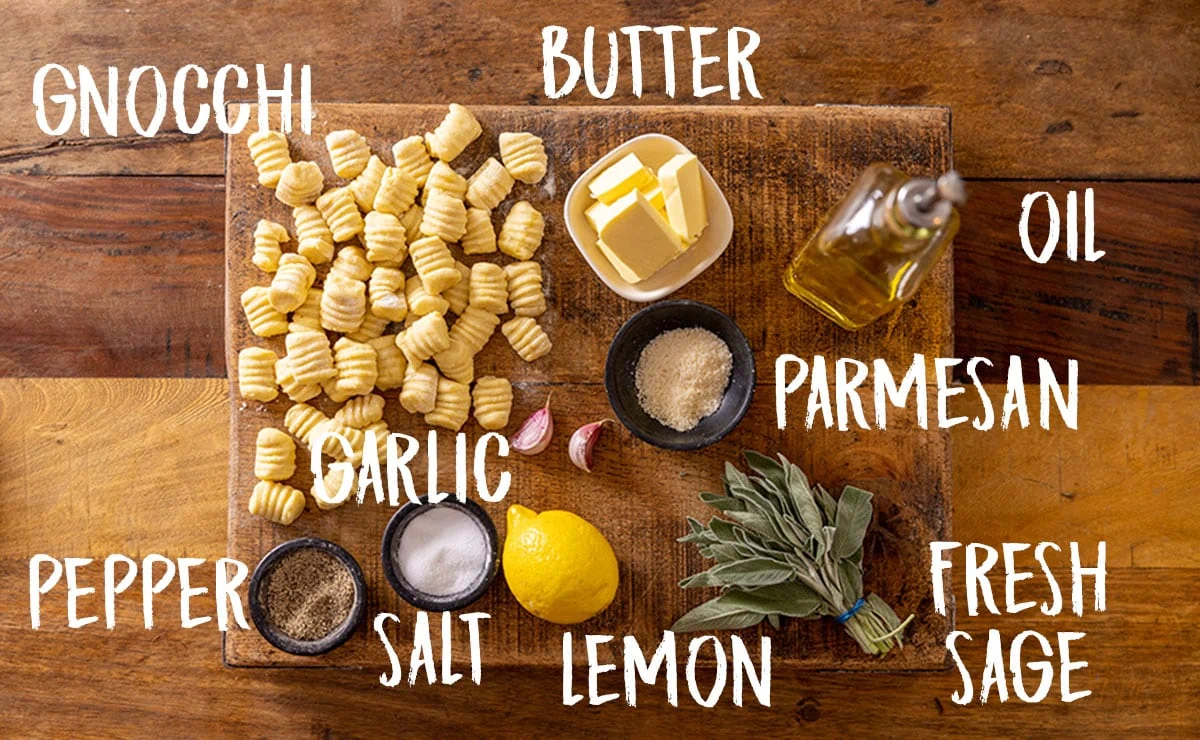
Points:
(682, 375)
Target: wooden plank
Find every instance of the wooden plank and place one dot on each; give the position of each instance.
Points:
(1141, 295)
(1141, 653)
(1101, 94)
(1129, 317)
(763, 159)
(111, 276)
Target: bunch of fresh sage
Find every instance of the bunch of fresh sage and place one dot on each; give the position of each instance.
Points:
(787, 549)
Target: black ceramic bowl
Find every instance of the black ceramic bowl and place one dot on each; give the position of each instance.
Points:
(333, 639)
(621, 368)
(429, 602)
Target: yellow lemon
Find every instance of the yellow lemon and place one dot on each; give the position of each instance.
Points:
(558, 565)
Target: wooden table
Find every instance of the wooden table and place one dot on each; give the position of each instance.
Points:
(112, 259)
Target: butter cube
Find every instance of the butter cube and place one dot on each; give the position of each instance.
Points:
(636, 239)
(655, 195)
(597, 214)
(683, 190)
(618, 179)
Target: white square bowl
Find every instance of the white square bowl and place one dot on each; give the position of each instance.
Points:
(654, 150)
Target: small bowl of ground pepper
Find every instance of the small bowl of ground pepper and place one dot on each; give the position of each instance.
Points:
(307, 596)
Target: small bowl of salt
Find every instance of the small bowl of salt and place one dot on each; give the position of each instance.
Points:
(680, 375)
(440, 557)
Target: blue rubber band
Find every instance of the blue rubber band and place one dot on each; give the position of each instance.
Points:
(851, 611)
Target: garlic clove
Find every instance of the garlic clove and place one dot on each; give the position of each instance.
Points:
(533, 436)
(582, 442)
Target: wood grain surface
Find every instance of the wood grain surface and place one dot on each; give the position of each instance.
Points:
(763, 158)
(157, 242)
(1143, 659)
(1039, 89)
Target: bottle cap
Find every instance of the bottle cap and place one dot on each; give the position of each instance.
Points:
(927, 203)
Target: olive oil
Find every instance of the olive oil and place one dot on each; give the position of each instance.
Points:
(876, 246)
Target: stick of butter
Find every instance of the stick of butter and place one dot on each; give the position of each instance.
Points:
(683, 190)
(636, 239)
(618, 179)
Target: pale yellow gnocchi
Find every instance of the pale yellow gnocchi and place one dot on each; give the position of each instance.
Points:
(454, 134)
(521, 234)
(268, 236)
(274, 455)
(493, 398)
(276, 502)
(269, 150)
(256, 374)
(527, 338)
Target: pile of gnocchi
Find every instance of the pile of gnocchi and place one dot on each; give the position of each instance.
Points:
(361, 235)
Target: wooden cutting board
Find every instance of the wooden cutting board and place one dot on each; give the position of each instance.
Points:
(781, 168)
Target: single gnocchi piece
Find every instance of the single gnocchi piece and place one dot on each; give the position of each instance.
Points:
(524, 156)
(474, 328)
(372, 326)
(489, 288)
(418, 395)
(397, 192)
(521, 234)
(457, 362)
(443, 178)
(330, 388)
(411, 221)
(348, 152)
(276, 502)
(480, 236)
(296, 391)
(356, 368)
(493, 399)
(527, 338)
(302, 421)
(290, 285)
(262, 317)
(386, 293)
(489, 185)
(390, 363)
(366, 185)
(525, 296)
(411, 156)
(434, 263)
(361, 411)
(445, 217)
(314, 240)
(343, 303)
(308, 316)
(268, 236)
(452, 405)
(274, 455)
(269, 150)
(459, 294)
(351, 262)
(420, 302)
(327, 495)
(338, 208)
(299, 184)
(425, 338)
(310, 357)
(385, 240)
(454, 134)
(256, 374)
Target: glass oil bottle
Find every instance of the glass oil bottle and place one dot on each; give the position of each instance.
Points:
(877, 245)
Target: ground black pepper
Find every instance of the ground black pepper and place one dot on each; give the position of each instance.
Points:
(308, 594)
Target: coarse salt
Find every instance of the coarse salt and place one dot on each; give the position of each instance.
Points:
(442, 552)
(682, 375)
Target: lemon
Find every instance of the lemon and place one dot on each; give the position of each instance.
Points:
(558, 566)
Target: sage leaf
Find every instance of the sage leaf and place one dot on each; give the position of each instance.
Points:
(850, 576)
(806, 505)
(722, 503)
(752, 572)
(789, 599)
(699, 580)
(713, 615)
(766, 467)
(853, 516)
(774, 621)
(826, 502)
